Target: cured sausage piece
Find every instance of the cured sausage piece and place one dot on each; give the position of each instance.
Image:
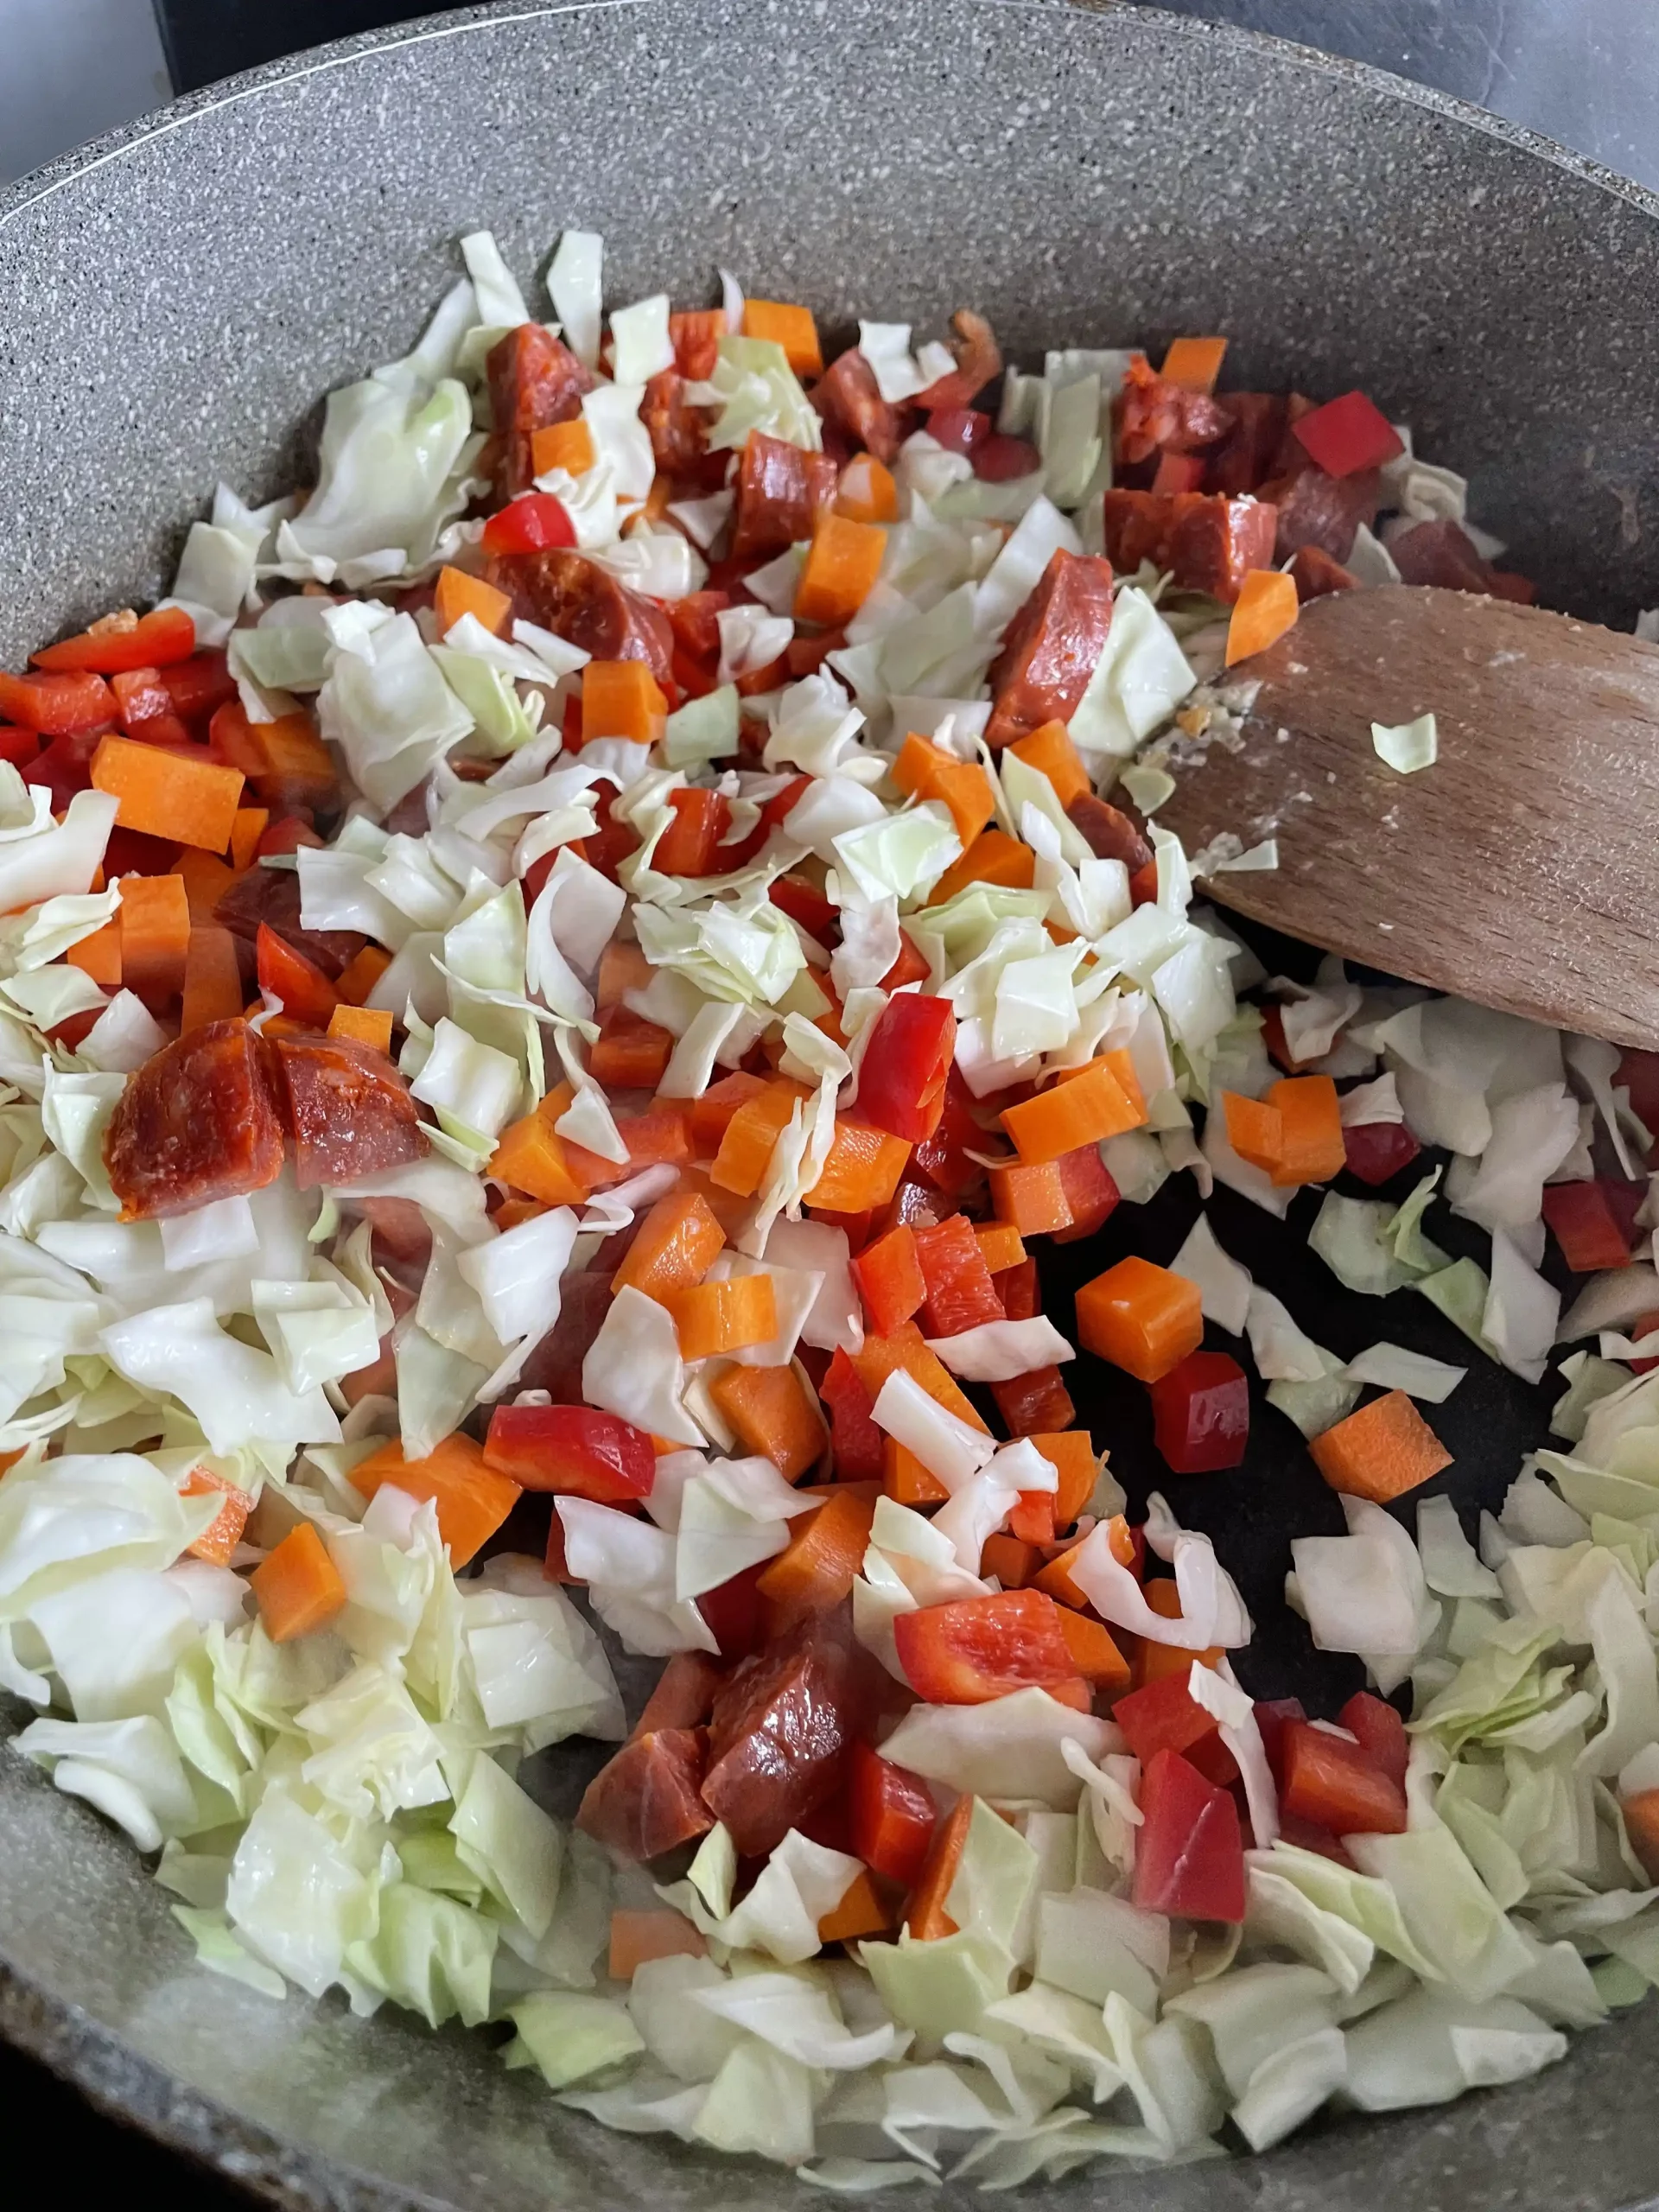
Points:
(198, 1121)
(684, 1695)
(1441, 553)
(780, 1732)
(271, 895)
(695, 335)
(1206, 541)
(1322, 511)
(1244, 460)
(1150, 416)
(1051, 647)
(847, 395)
(1110, 833)
(555, 1364)
(644, 1800)
(679, 433)
(535, 381)
(348, 1109)
(578, 600)
(1316, 573)
(781, 491)
(979, 358)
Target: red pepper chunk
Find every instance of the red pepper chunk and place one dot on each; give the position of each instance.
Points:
(1189, 1852)
(154, 641)
(689, 844)
(1273, 1716)
(1165, 1716)
(894, 1817)
(1034, 1404)
(960, 1292)
(806, 903)
(1380, 1732)
(298, 985)
(531, 523)
(857, 1442)
(1337, 1785)
(982, 1648)
(1377, 1150)
(1593, 1223)
(572, 1450)
(65, 705)
(1091, 1192)
(1201, 1414)
(945, 1158)
(906, 1066)
(1347, 434)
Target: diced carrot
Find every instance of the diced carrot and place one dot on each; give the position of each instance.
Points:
(923, 770)
(458, 594)
(1152, 1660)
(889, 1279)
(1091, 1106)
(100, 957)
(841, 566)
(1000, 1245)
(530, 1156)
(905, 1349)
(1312, 1147)
(1094, 1653)
(567, 445)
(861, 1912)
(155, 934)
(1032, 1519)
(621, 698)
(863, 1168)
(1194, 364)
(206, 878)
(924, 1914)
(1049, 750)
(1012, 1563)
(631, 1053)
(904, 1477)
(867, 492)
(512, 1213)
(1641, 1815)
(713, 1318)
(1142, 1317)
(218, 1540)
(638, 1936)
(674, 1247)
(166, 794)
(1055, 1580)
(1265, 609)
(622, 968)
(360, 975)
(1254, 1130)
(711, 1113)
(1383, 1450)
(1071, 1455)
(247, 828)
(473, 1499)
(297, 1586)
(994, 857)
(789, 325)
(212, 978)
(287, 979)
(773, 1415)
(285, 761)
(823, 1559)
(368, 1025)
(746, 1149)
(1074, 1692)
(1122, 1064)
(1030, 1197)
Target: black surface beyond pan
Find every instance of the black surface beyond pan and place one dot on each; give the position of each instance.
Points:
(170, 305)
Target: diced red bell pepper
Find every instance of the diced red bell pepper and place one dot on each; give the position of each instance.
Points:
(1034, 1404)
(1143, 885)
(167, 634)
(943, 1158)
(1337, 1785)
(1644, 1326)
(19, 746)
(731, 1613)
(1189, 1851)
(143, 701)
(1380, 1732)
(1165, 1716)
(959, 430)
(1594, 1222)
(730, 857)
(689, 844)
(573, 1450)
(806, 903)
(982, 1648)
(857, 1442)
(65, 705)
(909, 968)
(1090, 1191)
(1638, 1071)
(906, 1066)
(297, 984)
(1273, 1716)
(1017, 1289)
(1201, 1414)
(960, 1294)
(65, 766)
(890, 1280)
(999, 459)
(1179, 472)
(1378, 1150)
(134, 852)
(611, 842)
(894, 1817)
(531, 523)
(1347, 434)
(200, 686)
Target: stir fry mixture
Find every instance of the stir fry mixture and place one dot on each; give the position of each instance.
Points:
(553, 995)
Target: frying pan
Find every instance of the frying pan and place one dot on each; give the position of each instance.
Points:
(171, 300)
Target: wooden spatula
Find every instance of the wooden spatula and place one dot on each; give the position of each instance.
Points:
(1520, 869)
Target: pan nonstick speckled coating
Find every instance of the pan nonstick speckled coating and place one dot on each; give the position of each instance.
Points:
(172, 303)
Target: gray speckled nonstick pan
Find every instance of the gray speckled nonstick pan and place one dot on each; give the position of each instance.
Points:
(171, 303)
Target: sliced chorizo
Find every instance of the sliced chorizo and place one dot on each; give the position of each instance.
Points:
(1151, 415)
(1051, 647)
(578, 600)
(1110, 833)
(1244, 459)
(684, 1695)
(979, 358)
(679, 433)
(780, 1731)
(847, 396)
(348, 1109)
(1442, 553)
(1316, 575)
(1322, 511)
(198, 1121)
(645, 1801)
(535, 381)
(695, 334)
(271, 895)
(1204, 540)
(781, 491)
(555, 1363)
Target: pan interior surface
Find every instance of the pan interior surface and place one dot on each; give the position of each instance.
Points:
(172, 306)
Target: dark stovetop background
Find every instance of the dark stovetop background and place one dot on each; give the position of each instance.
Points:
(1585, 72)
